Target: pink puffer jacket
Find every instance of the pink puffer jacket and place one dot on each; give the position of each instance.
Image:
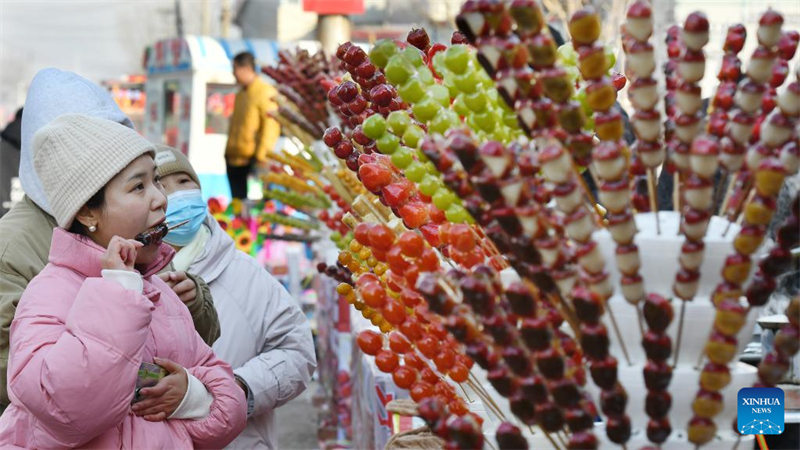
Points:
(76, 344)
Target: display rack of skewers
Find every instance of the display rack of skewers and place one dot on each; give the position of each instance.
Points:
(485, 275)
(302, 104)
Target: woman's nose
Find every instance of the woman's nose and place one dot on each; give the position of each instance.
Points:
(160, 200)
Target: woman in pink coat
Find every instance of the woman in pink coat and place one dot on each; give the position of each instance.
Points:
(96, 312)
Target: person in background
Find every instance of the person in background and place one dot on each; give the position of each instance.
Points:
(251, 133)
(26, 232)
(9, 161)
(98, 310)
(265, 336)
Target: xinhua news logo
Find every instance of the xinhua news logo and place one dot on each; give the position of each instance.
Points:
(760, 411)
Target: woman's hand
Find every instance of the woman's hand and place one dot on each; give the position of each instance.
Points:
(182, 285)
(164, 398)
(120, 254)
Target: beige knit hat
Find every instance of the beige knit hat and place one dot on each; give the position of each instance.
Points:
(76, 155)
(170, 160)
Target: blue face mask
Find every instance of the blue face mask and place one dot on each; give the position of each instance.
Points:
(185, 205)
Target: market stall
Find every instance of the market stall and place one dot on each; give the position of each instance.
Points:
(128, 93)
(190, 92)
(516, 305)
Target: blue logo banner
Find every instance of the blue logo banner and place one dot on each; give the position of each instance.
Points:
(760, 411)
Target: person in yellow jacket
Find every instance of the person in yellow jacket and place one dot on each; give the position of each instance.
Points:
(252, 133)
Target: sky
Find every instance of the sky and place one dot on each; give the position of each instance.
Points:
(97, 39)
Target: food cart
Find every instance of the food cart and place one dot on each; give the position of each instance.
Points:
(190, 91)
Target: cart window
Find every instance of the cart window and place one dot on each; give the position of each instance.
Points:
(219, 107)
(172, 105)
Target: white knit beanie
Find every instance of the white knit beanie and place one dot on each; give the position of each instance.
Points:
(77, 155)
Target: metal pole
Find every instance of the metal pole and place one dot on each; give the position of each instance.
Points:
(178, 18)
(225, 18)
(332, 30)
(206, 17)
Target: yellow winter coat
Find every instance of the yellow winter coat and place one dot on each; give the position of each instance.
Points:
(252, 133)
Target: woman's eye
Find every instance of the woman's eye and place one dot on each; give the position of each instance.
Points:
(139, 187)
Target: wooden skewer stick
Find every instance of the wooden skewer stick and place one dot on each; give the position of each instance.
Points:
(700, 360)
(651, 187)
(737, 213)
(639, 314)
(490, 444)
(478, 388)
(561, 439)
(489, 407)
(560, 304)
(680, 334)
(728, 191)
(552, 441)
(598, 210)
(486, 397)
(676, 191)
(569, 315)
(617, 332)
(465, 393)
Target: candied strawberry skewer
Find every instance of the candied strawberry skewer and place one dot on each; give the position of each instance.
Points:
(513, 375)
(725, 122)
(731, 315)
(157, 234)
(699, 168)
(767, 134)
(520, 218)
(618, 421)
(462, 432)
(775, 365)
(643, 94)
(420, 330)
(777, 261)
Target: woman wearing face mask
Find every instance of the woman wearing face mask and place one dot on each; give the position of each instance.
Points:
(265, 335)
(96, 312)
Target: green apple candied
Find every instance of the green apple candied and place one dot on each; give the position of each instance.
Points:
(440, 94)
(426, 109)
(476, 102)
(486, 120)
(443, 198)
(413, 55)
(403, 157)
(510, 120)
(398, 121)
(426, 76)
(398, 70)
(456, 214)
(388, 143)
(415, 171)
(412, 90)
(413, 136)
(439, 64)
(374, 126)
(568, 55)
(460, 105)
(467, 82)
(452, 89)
(429, 185)
(611, 57)
(444, 121)
(383, 50)
(457, 58)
